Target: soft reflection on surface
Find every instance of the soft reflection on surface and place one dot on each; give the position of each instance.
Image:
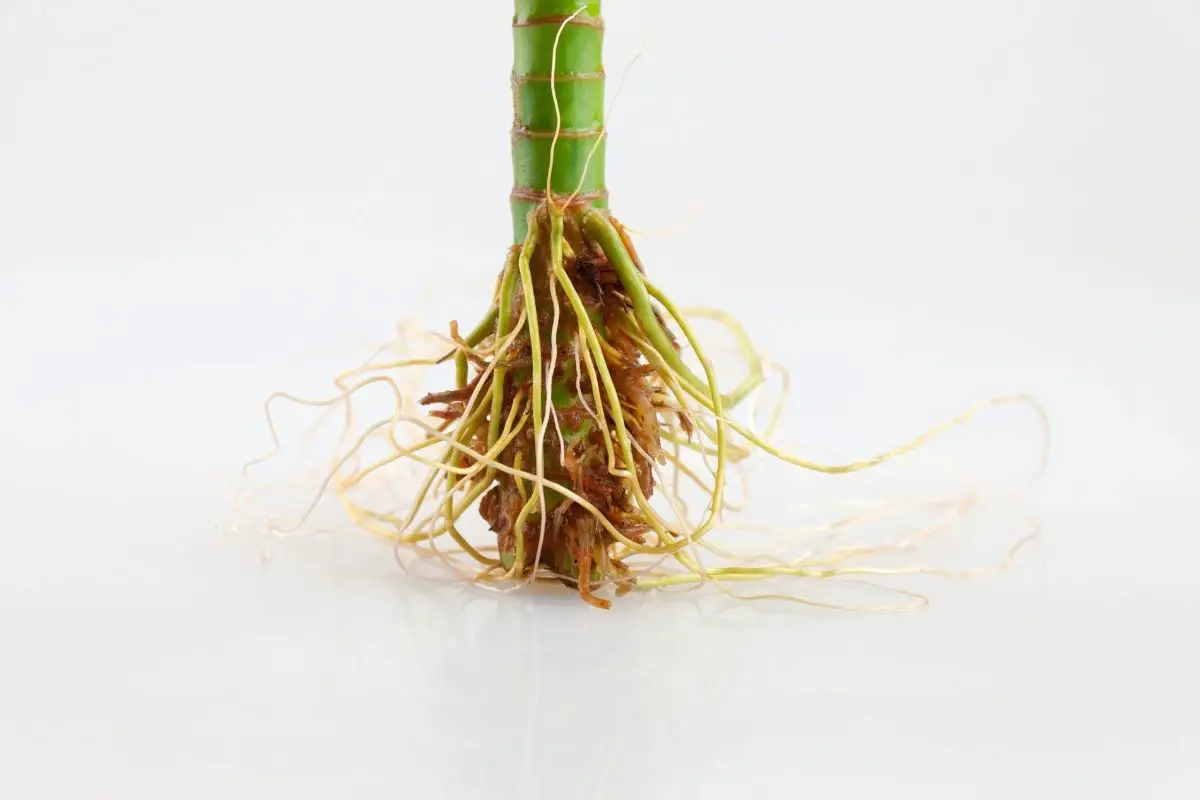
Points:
(329, 672)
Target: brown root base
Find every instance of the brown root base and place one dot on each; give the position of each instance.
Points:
(570, 542)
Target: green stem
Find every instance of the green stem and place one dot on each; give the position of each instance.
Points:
(558, 106)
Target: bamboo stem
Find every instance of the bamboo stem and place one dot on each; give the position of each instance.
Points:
(558, 86)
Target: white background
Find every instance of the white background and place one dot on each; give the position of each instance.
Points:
(918, 204)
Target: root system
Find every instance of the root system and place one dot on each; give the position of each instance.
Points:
(573, 421)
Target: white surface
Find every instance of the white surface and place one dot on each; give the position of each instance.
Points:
(933, 201)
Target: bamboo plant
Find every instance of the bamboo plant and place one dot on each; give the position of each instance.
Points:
(572, 396)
